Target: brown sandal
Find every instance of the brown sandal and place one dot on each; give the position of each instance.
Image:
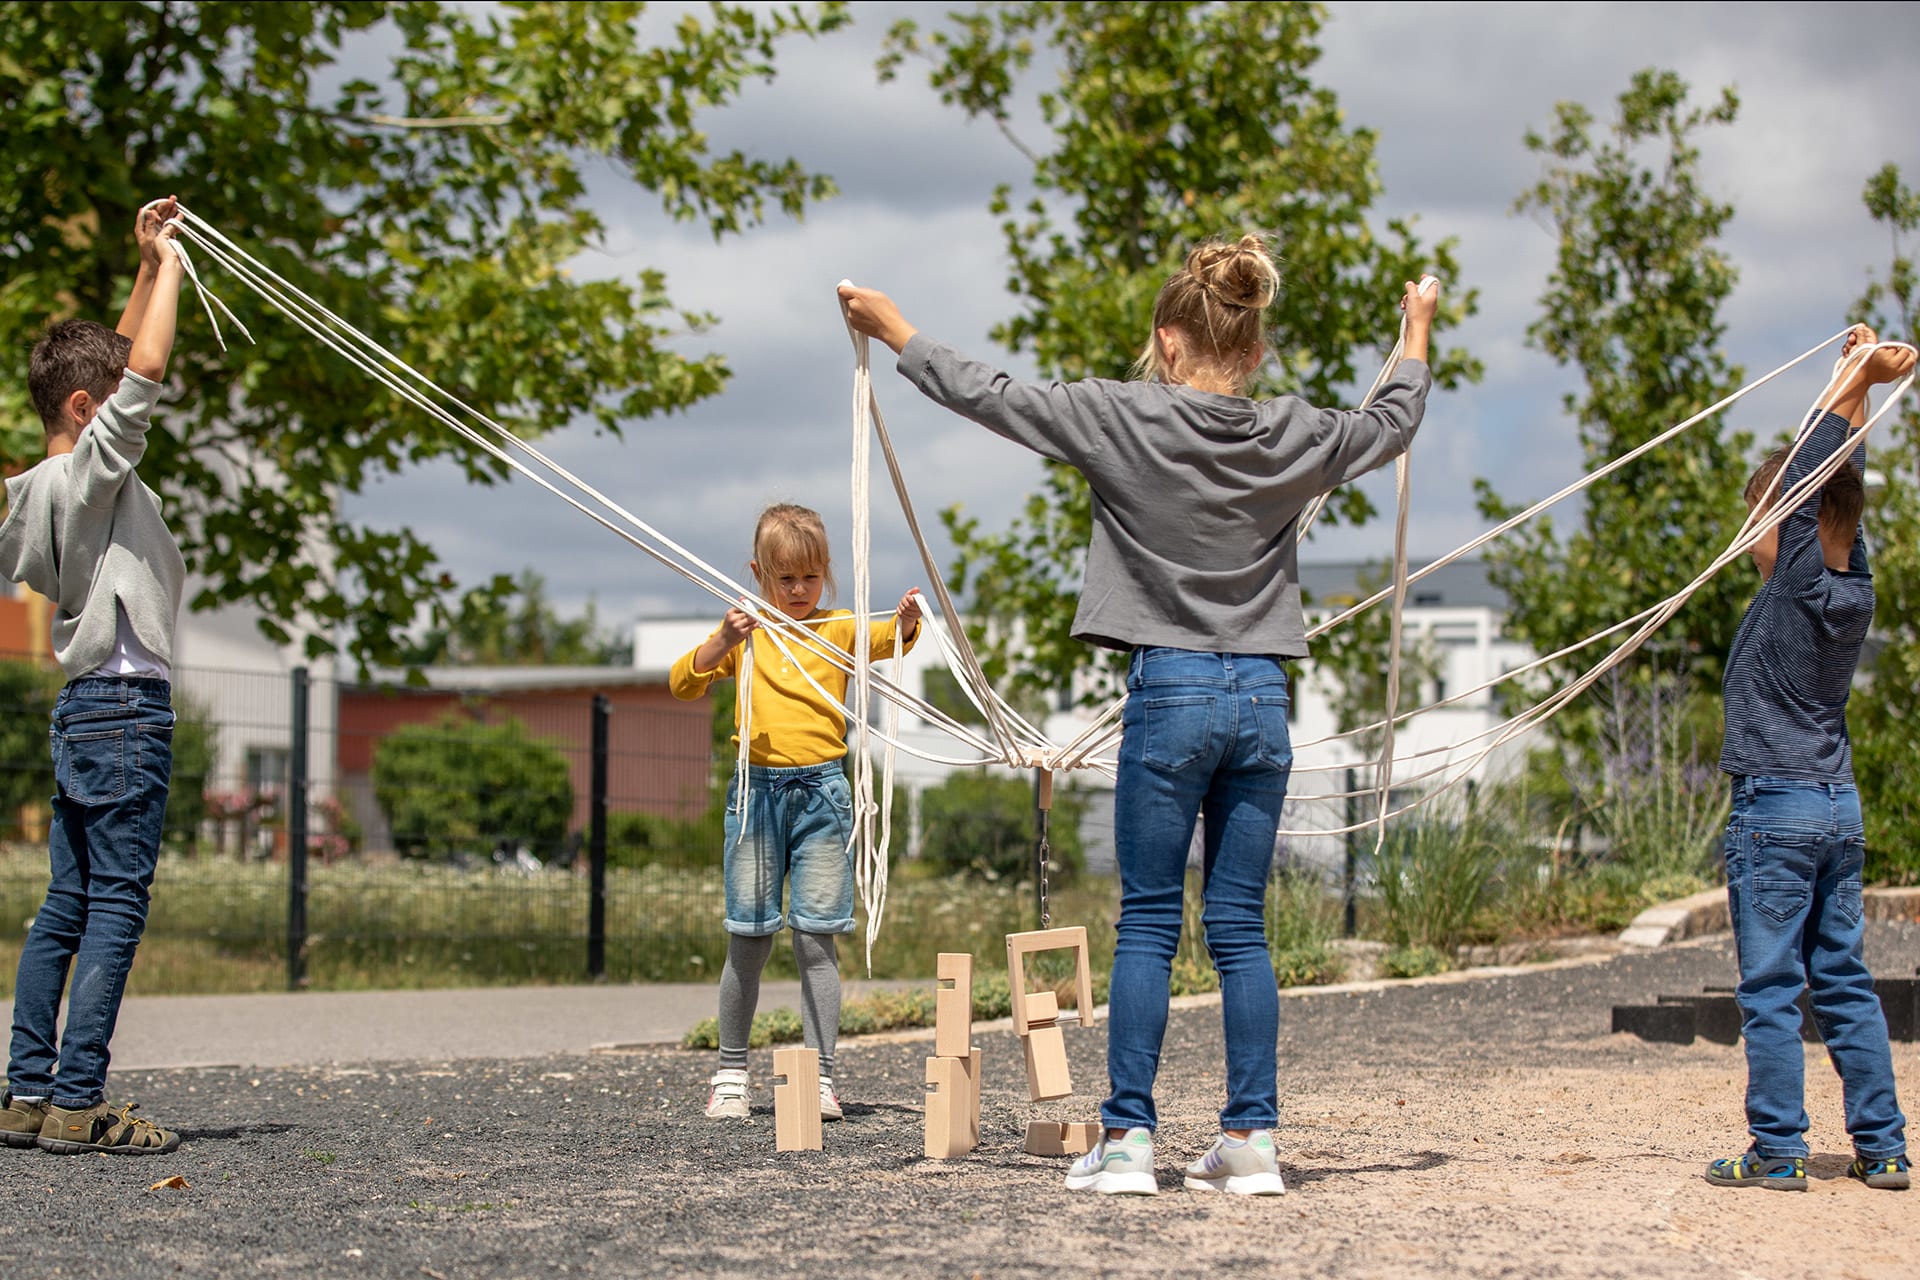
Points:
(102, 1128)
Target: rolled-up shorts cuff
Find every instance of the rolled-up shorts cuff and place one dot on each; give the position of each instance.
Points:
(813, 924)
(752, 928)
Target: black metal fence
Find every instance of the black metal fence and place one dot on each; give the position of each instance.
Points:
(327, 834)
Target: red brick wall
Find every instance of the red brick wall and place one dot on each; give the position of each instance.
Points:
(658, 748)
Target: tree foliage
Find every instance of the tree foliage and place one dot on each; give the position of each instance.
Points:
(1882, 710)
(421, 168)
(1633, 303)
(1167, 124)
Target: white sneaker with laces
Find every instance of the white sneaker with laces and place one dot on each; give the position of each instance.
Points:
(1123, 1167)
(1246, 1167)
(729, 1098)
(829, 1101)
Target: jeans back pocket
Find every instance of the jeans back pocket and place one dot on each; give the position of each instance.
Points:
(91, 768)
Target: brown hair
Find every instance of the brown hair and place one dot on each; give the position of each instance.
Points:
(1216, 302)
(1842, 498)
(74, 355)
(792, 539)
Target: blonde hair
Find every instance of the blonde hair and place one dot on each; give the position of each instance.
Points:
(792, 539)
(1216, 301)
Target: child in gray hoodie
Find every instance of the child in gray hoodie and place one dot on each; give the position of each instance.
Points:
(84, 531)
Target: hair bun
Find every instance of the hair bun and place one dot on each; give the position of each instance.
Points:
(1240, 274)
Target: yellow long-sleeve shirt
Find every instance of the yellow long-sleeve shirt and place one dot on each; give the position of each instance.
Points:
(792, 723)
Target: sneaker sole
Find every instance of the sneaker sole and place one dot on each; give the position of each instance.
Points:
(61, 1147)
(1246, 1184)
(19, 1139)
(1887, 1181)
(730, 1111)
(1115, 1184)
(1771, 1184)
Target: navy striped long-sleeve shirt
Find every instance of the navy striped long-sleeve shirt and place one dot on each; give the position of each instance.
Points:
(1792, 662)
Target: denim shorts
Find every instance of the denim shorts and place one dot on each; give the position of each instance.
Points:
(798, 832)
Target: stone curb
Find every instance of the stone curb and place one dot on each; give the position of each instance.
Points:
(1706, 913)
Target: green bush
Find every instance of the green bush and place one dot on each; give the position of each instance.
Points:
(1414, 962)
(195, 748)
(651, 839)
(982, 824)
(27, 691)
(462, 784)
(1433, 876)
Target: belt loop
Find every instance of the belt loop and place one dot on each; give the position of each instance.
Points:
(1746, 788)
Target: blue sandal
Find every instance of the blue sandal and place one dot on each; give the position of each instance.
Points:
(1777, 1173)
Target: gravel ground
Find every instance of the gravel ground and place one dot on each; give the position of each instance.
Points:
(1483, 1127)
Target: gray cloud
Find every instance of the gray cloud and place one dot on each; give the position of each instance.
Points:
(1450, 90)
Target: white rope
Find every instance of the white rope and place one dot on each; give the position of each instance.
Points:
(1015, 741)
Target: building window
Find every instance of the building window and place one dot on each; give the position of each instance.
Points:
(268, 768)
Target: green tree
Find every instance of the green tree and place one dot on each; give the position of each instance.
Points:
(510, 623)
(435, 205)
(1882, 711)
(1169, 123)
(1634, 304)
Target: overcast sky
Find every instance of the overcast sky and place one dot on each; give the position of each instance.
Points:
(1826, 94)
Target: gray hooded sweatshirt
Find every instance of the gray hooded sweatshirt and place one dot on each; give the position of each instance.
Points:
(1196, 496)
(85, 532)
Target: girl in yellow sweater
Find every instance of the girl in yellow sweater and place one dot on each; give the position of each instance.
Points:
(799, 827)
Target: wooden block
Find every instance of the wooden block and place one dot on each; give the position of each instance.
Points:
(1047, 1074)
(1053, 1138)
(1043, 1008)
(1022, 945)
(796, 1100)
(949, 1101)
(953, 1005)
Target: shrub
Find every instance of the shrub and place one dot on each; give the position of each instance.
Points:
(458, 783)
(195, 748)
(1434, 875)
(982, 824)
(651, 839)
(27, 691)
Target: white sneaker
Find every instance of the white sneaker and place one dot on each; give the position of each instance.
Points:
(829, 1101)
(729, 1098)
(1123, 1168)
(1245, 1168)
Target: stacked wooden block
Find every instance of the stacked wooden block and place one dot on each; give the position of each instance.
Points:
(953, 1073)
(1037, 1019)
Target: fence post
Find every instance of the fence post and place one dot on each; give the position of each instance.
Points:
(1353, 851)
(597, 843)
(297, 834)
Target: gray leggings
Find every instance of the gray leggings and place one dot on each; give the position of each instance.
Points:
(818, 960)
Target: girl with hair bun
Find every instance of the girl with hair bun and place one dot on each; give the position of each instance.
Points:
(1197, 497)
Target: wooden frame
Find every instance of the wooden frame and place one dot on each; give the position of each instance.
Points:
(953, 1005)
(1022, 945)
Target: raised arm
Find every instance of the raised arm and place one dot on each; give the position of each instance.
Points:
(147, 225)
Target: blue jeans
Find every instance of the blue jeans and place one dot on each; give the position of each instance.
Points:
(112, 757)
(1203, 733)
(799, 831)
(1794, 852)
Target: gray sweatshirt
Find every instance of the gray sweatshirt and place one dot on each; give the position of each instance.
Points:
(1196, 496)
(85, 532)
